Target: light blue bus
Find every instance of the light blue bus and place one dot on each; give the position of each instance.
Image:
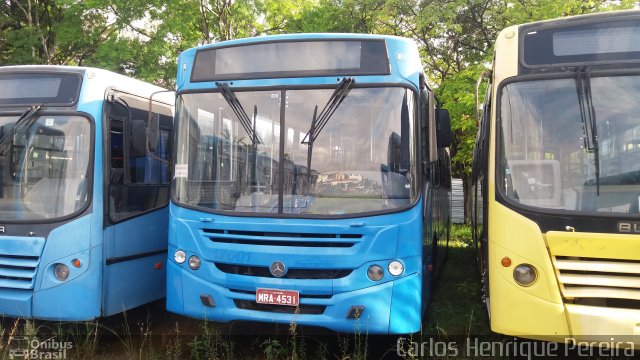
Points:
(83, 192)
(311, 183)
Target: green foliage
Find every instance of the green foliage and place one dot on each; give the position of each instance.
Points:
(210, 344)
(455, 308)
(143, 38)
(273, 350)
(173, 346)
(457, 94)
(460, 236)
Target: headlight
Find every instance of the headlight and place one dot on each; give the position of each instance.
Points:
(61, 271)
(179, 256)
(396, 268)
(194, 262)
(524, 274)
(375, 272)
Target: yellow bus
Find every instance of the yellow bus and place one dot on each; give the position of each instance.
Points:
(556, 179)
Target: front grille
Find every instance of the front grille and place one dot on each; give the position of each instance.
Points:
(302, 309)
(613, 303)
(315, 240)
(598, 281)
(263, 271)
(17, 272)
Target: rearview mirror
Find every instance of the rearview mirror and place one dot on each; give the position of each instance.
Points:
(138, 139)
(152, 133)
(153, 123)
(443, 123)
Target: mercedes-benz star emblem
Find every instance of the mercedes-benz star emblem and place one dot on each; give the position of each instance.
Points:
(278, 269)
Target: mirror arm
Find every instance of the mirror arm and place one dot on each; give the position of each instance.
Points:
(485, 75)
(156, 128)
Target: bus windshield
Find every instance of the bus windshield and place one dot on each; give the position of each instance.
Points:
(359, 161)
(44, 167)
(549, 157)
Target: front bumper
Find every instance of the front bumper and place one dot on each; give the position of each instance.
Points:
(392, 307)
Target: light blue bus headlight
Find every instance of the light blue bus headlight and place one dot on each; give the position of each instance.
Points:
(61, 272)
(375, 272)
(396, 268)
(180, 256)
(194, 262)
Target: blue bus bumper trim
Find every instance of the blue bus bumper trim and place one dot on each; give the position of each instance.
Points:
(16, 302)
(377, 300)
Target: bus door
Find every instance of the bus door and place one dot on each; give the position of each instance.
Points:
(136, 197)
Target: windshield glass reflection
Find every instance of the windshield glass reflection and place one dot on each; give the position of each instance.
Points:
(44, 167)
(543, 159)
(360, 161)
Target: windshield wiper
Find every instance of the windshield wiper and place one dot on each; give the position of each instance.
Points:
(588, 116)
(231, 99)
(254, 157)
(26, 119)
(248, 125)
(319, 121)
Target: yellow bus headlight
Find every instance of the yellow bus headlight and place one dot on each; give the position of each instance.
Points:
(525, 274)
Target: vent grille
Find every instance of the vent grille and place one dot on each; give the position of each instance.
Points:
(302, 309)
(316, 240)
(17, 272)
(263, 271)
(598, 281)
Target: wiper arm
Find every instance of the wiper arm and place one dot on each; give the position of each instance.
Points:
(319, 121)
(254, 157)
(25, 120)
(231, 99)
(588, 116)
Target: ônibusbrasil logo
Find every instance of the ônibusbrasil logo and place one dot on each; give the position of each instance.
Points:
(28, 347)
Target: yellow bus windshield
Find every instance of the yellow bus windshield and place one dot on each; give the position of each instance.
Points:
(543, 161)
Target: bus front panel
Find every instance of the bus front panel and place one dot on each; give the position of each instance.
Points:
(327, 263)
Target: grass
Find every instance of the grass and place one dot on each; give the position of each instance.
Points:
(209, 344)
(456, 307)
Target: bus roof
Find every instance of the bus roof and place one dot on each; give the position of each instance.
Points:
(568, 20)
(607, 39)
(303, 36)
(401, 63)
(105, 79)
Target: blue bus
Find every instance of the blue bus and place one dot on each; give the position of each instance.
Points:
(311, 183)
(83, 192)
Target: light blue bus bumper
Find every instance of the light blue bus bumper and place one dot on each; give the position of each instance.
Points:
(389, 308)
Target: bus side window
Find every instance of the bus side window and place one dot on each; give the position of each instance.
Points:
(138, 178)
